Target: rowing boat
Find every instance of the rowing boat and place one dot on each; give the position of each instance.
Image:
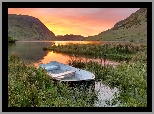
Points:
(65, 73)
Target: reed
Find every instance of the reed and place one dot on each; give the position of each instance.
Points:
(114, 51)
(129, 77)
(32, 87)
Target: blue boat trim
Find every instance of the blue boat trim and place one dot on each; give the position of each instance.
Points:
(64, 72)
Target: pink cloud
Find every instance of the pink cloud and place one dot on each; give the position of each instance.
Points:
(84, 21)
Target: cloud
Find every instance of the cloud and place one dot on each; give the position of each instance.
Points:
(84, 21)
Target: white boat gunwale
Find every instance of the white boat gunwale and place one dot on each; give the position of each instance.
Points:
(79, 73)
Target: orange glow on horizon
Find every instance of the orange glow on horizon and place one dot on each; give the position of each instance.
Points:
(77, 21)
(73, 42)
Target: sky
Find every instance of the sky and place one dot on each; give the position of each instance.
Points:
(77, 21)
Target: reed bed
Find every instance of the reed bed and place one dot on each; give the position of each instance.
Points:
(32, 87)
(113, 51)
(129, 77)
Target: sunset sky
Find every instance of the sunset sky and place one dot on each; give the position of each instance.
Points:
(77, 21)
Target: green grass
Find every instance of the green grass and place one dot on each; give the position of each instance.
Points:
(130, 78)
(134, 34)
(11, 39)
(29, 86)
(113, 51)
(32, 87)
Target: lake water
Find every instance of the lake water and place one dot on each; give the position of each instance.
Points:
(33, 52)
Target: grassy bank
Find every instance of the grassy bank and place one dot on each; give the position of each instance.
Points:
(114, 51)
(130, 76)
(32, 87)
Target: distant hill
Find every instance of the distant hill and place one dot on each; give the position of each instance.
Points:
(133, 28)
(70, 37)
(28, 28)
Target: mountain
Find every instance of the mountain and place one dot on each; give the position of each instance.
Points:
(133, 28)
(70, 37)
(28, 28)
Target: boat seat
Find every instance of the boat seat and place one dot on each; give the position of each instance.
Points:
(62, 75)
(51, 67)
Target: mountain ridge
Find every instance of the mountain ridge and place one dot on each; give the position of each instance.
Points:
(70, 37)
(28, 28)
(132, 28)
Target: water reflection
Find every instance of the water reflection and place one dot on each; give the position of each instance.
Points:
(33, 51)
(98, 60)
(74, 42)
(104, 93)
(64, 58)
(52, 56)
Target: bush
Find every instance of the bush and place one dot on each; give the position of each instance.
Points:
(130, 78)
(32, 87)
(11, 39)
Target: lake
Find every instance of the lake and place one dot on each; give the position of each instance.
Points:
(33, 51)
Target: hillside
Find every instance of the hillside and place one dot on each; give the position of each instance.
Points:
(133, 28)
(70, 37)
(28, 28)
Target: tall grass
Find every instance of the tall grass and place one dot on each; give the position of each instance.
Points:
(32, 87)
(114, 51)
(130, 78)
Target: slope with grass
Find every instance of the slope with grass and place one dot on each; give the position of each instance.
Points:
(28, 28)
(133, 28)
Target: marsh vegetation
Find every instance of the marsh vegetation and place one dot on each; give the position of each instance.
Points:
(11, 39)
(130, 76)
(32, 87)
